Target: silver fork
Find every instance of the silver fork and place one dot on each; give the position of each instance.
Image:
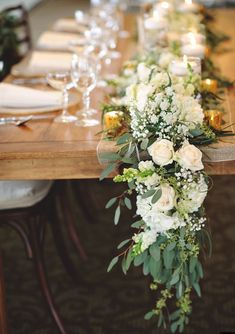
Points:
(15, 120)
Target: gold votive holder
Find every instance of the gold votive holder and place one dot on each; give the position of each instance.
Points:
(210, 85)
(113, 120)
(213, 118)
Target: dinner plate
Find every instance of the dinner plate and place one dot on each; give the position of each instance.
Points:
(73, 100)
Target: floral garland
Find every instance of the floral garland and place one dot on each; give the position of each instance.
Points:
(161, 119)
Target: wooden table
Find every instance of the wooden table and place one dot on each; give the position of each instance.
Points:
(47, 150)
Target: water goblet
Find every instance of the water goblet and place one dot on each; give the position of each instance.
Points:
(83, 73)
(62, 81)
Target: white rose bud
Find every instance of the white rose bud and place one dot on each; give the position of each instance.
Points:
(162, 152)
(189, 157)
(167, 200)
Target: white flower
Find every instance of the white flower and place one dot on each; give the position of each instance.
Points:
(152, 180)
(148, 164)
(162, 152)
(160, 79)
(160, 222)
(143, 205)
(191, 111)
(167, 200)
(189, 157)
(142, 94)
(193, 196)
(165, 59)
(143, 72)
(148, 238)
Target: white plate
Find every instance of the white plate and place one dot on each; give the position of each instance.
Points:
(73, 100)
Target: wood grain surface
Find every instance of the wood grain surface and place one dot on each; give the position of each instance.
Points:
(47, 150)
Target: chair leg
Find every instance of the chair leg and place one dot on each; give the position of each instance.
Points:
(35, 230)
(56, 220)
(69, 218)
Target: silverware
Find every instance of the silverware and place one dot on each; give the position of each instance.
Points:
(15, 120)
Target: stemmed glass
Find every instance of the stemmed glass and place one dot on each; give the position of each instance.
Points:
(83, 73)
(62, 81)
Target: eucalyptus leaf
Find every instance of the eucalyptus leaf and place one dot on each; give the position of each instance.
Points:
(137, 224)
(175, 315)
(175, 279)
(123, 243)
(197, 289)
(155, 252)
(117, 215)
(154, 268)
(146, 266)
(107, 171)
(109, 156)
(156, 196)
(171, 246)
(139, 259)
(123, 139)
(128, 160)
(128, 203)
(192, 264)
(110, 202)
(112, 263)
(124, 265)
(129, 259)
(149, 315)
(168, 257)
(174, 326)
(148, 193)
(160, 320)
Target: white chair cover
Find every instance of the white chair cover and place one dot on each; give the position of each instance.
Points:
(22, 194)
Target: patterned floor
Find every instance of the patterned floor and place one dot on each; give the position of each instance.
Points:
(101, 303)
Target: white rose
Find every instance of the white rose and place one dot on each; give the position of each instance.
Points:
(167, 200)
(162, 152)
(143, 72)
(189, 157)
(142, 94)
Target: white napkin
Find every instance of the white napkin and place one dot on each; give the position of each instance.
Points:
(43, 61)
(51, 40)
(68, 25)
(12, 96)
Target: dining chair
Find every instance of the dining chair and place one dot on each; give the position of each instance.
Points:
(27, 207)
(15, 37)
(19, 23)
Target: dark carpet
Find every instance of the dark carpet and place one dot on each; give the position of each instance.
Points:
(102, 303)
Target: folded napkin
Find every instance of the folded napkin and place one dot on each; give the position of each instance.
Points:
(68, 25)
(43, 61)
(51, 40)
(12, 96)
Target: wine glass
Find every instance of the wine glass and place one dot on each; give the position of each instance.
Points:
(83, 73)
(62, 81)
